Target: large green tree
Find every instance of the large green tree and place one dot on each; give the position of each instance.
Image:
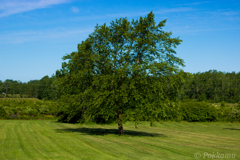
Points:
(127, 70)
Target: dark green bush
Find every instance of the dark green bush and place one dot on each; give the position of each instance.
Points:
(223, 104)
(3, 113)
(234, 115)
(223, 112)
(211, 101)
(198, 112)
(238, 106)
(231, 101)
(202, 97)
(189, 100)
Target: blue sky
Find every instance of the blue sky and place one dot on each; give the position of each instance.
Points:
(36, 34)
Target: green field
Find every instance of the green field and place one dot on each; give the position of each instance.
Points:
(43, 139)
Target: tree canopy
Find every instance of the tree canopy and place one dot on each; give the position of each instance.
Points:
(125, 71)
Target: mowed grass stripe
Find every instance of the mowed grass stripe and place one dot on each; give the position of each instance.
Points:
(129, 150)
(96, 143)
(13, 146)
(39, 143)
(3, 137)
(140, 150)
(199, 142)
(50, 140)
(195, 146)
(53, 142)
(71, 145)
(140, 145)
(59, 146)
(196, 138)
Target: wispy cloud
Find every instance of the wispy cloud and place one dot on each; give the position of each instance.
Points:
(16, 6)
(174, 10)
(135, 14)
(41, 35)
(196, 3)
(188, 30)
(230, 13)
(74, 9)
(223, 12)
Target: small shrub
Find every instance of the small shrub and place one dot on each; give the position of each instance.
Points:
(223, 104)
(238, 106)
(44, 109)
(223, 112)
(234, 115)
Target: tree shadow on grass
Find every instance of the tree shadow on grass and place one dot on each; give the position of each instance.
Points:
(102, 132)
(232, 129)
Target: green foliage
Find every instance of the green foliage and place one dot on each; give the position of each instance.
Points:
(69, 109)
(198, 112)
(3, 113)
(234, 115)
(223, 112)
(202, 97)
(217, 86)
(42, 89)
(238, 106)
(127, 70)
(24, 108)
(229, 113)
(223, 104)
(44, 109)
(46, 89)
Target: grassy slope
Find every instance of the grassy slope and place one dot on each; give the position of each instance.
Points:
(169, 140)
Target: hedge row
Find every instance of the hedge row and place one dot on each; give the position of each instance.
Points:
(203, 111)
(26, 108)
(188, 111)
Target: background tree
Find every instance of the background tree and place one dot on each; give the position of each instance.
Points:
(1, 89)
(45, 89)
(215, 85)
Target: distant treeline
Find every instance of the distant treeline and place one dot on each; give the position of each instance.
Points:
(41, 89)
(211, 86)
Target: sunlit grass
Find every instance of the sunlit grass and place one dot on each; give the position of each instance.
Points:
(168, 140)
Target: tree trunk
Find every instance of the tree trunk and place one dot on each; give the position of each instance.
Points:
(136, 125)
(120, 126)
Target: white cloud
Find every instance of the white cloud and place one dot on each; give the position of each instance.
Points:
(16, 6)
(75, 9)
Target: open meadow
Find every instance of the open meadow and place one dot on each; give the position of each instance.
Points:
(45, 139)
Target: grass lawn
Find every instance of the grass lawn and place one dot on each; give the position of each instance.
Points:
(42, 139)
